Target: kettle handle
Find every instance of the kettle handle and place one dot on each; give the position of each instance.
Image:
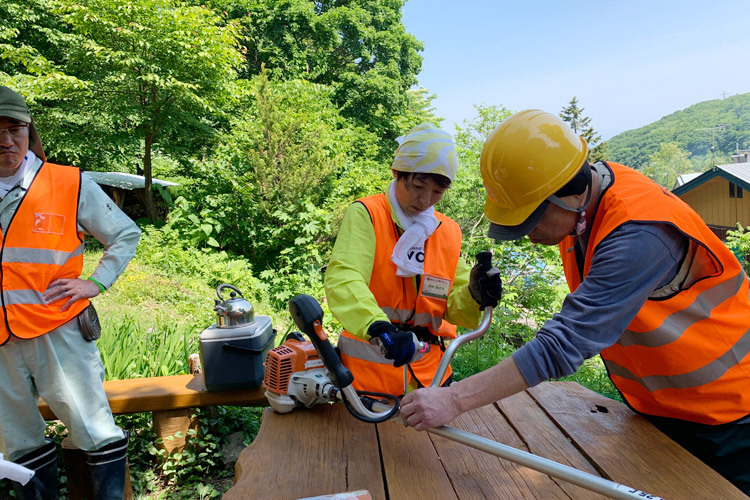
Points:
(225, 285)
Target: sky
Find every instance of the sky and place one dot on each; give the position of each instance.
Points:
(629, 62)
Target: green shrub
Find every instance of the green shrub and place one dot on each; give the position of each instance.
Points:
(739, 243)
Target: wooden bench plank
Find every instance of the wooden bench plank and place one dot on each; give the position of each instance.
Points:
(477, 474)
(543, 438)
(168, 393)
(411, 463)
(335, 453)
(607, 430)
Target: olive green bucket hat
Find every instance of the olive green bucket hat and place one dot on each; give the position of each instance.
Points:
(13, 105)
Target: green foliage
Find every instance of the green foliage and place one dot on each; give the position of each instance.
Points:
(599, 152)
(131, 75)
(183, 475)
(278, 183)
(360, 50)
(581, 125)
(129, 350)
(29, 38)
(667, 164)
(291, 146)
(481, 354)
(709, 131)
(593, 375)
(739, 242)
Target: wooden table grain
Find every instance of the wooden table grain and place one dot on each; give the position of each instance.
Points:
(324, 450)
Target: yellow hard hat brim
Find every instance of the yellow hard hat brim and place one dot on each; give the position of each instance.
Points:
(509, 216)
(509, 232)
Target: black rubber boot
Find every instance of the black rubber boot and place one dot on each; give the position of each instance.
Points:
(107, 468)
(43, 486)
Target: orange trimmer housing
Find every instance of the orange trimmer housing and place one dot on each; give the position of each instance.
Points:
(287, 359)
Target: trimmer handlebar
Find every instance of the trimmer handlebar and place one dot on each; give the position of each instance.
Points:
(308, 316)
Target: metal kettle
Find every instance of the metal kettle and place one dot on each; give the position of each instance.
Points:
(235, 312)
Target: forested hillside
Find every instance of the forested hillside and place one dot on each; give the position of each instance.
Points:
(709, 131)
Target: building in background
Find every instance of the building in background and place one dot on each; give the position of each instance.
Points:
(128, 191)
(721, 196)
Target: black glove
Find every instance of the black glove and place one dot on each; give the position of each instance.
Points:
(398, 345)
(485, 285)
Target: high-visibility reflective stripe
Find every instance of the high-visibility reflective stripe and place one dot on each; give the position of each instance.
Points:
(406, 316)
(397, 315)
(679, 321)
(704, 375)
(13, 297)
(39, 255)
(362, 350)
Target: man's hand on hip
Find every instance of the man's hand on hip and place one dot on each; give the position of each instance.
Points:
(73, 289)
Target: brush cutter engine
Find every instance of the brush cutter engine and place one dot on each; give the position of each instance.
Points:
(296, 376)
(301, 373)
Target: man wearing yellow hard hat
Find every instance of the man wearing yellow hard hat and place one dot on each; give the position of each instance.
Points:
(652, 290)
(396, 273)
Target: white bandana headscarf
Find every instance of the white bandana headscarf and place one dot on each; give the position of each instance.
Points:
(426, 149)
(408, 254)
(429, 150)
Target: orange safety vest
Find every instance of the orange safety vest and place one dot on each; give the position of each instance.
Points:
(398, 298)
(41, 244)
(685, 355)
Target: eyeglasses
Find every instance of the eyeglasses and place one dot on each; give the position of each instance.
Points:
(15, 130)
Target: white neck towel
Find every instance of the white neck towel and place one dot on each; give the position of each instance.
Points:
(408, 254)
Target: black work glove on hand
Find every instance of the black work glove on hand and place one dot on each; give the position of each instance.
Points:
(398, 345)
(485, 285)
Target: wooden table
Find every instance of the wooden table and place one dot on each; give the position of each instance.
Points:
(325, 450)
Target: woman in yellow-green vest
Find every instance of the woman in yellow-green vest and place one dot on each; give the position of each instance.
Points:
(396, 272)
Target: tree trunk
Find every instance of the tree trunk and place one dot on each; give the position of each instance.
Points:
(148, 195)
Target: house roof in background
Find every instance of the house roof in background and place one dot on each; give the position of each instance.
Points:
(125, 181)
(684, 179)
(736, 173)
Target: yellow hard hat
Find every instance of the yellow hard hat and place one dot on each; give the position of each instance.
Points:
(526, 159)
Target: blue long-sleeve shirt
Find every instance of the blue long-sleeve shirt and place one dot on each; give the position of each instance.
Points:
(627, 266)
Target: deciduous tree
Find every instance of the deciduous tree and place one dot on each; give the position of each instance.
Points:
(114, 76)
(360, 49)
(665, 165)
